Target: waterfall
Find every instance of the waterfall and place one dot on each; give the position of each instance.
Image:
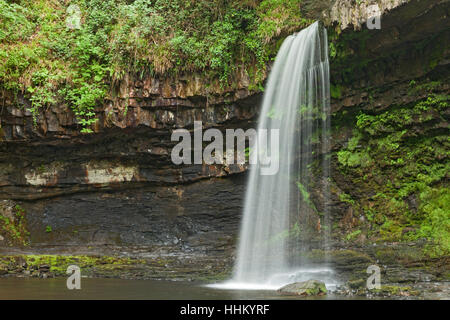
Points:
(278, 208)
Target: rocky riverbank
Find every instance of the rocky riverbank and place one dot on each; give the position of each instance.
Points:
(406, 272)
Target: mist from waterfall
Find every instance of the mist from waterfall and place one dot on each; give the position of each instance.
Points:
(278, 208)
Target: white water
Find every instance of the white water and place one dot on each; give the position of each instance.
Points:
(296, 101)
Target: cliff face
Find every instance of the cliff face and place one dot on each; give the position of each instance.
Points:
(118, 189)
(390, 127)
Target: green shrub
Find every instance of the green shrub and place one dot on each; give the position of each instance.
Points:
(50, 63)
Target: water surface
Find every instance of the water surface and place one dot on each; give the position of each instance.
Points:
(55, 289)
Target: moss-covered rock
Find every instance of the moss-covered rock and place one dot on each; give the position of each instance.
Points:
(356, 284)
(13, 224)
(397, 163)
(305, 288)
(56, 265)
(394, 290)
(168, 268)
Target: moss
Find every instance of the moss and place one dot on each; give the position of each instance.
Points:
(52, 63)
(356, 284)
(395, 119)
(336, 91)
(58, 263)
(400, 254)
(390, 230)
(435, 204)
(319, 289)
(393, 290)
(15, 228)
(354, 159)
(342, 54)
(346, 198)
(305, 195)
(352, 235)
(399, 165)
(428, 86)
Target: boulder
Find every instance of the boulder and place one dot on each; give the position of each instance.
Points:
(304, 288)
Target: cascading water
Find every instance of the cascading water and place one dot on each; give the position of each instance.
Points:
(296, 101)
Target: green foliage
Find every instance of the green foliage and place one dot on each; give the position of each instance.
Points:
(391, 230)
(435, 208)
(401, 164)
(54, 63)
(352, 235)
(342, 49)
(396, 291)
(390, 121)
(51, 63)
(344, 197)
(354, 159)
(15, 22)
(277, 16)
(354, 141)
(429, 87)
(305, 195)
(59, 263)
(248, 151)
(15, 227)
(335, 91)
(332, 50)
(48, 229)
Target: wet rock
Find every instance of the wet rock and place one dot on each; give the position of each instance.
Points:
(394, 290)
(344, 261)
(356, 284)
(304, 288)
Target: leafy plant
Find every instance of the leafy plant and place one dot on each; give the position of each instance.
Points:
(15, 227)
(51, 63)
